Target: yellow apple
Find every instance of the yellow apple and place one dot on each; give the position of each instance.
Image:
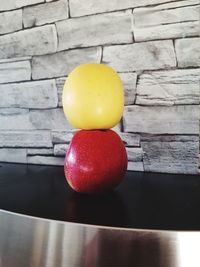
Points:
(93, 97)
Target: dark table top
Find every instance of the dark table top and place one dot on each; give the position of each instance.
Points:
(142, 200)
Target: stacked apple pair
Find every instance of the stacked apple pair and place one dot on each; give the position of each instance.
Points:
(93, 101)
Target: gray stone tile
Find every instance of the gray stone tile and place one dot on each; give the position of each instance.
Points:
(6, 21)
(35, 41)
(162, 120)
(45, 160)
(65, 62)
(188, 52)
(35, 95)
(15, 71)
(25, 139)
(171, 20)
(12, 155)
(135, 166)
(45, 13)
(174, 87)
(153, 55)
(110, 28)
(171, 157)
(86, 7)
(60, 149)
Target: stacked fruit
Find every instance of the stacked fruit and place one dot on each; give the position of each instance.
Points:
(93, 100)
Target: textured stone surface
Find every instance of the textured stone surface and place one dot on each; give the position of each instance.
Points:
(12, 4)
(166, 21)
(15, 71)
(6, 21)
(15, 59)
(21, 3)
(45, 160)
(39, 94)
(134, 154)
(13, 155)
(25, 139)
(175, 87)
(162, 120)
(59, 137)
(179, 30)
(174, 157)
(129, 83)
(86, 7)
(39, 151)
(171, 12)
(65, 62)
(113, 28)
(169, 138)
(53, 119)
(188, 52)
(140, 56)
(60, 149)
(135, 166)
(36, 41)
(130, 139)
(22, 119)
(160, 74)
(7, 5)
(45, 13)
(15, 119)
(60, 84)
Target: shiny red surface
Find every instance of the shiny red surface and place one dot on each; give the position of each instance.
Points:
(96, 161)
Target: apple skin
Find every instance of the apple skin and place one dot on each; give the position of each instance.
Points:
(93, 97)
(95, 162)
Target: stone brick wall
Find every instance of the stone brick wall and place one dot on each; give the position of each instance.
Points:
(153, 44)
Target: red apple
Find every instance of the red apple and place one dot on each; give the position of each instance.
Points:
(95, 162)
